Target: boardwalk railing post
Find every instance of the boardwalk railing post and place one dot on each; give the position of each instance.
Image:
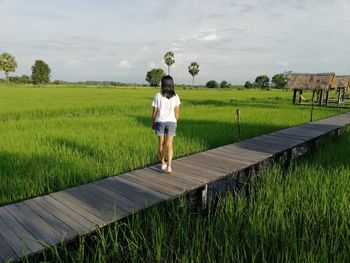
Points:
(238, 113)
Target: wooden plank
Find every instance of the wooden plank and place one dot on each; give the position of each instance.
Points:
(132, 191)
(197, 169)
(62, 215)
(156, 186)
(186, 182)
(64, 230)
(251, 145)
(185, 169)
(242, 156)
(271, 144)
(246, 152)
(115, 201)
(219, 163)
(78, 214)
(267, 142)
(202, 163)
(6, 252)
(31, 221)
(89, 213)
(289, 142)
(230, 163)
(20, 240)
(183, 176)
(226, 157)
(288, 136)
(140, 188)
(105, 206)
(161, 179)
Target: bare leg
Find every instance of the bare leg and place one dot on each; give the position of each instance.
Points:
(169, 143)
(161, 149)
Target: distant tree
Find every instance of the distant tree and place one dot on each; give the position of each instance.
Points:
(169, 59)
(24, 79)
(40, 72)
(212, 84)
(224, 84)
(248, 85)
(7, 64)
(154, 76)
(262, 81)
(193, 69)
(279, 81)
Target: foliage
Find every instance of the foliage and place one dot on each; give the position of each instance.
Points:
(262, 81)
(212, 84)
(169, 59)
(224, 84)
(279, 81)
(248, 85)
(24, 79)
(193, 69)
(40, 72)
(7, 64)
(154, 76)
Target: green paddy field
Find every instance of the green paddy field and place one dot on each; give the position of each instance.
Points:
(55, 137)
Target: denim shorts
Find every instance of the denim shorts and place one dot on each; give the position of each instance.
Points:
(166, 128)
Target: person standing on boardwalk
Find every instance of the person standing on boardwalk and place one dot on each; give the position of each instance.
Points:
(165, 114)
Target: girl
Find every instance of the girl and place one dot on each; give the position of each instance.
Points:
(165, 114)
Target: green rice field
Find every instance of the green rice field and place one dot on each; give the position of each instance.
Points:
(55, 137)
(298, 216)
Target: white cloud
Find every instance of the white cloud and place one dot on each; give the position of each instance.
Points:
(145, 49)
(208, 37)
(124, 63)
(151, 65)
(283, 64)
(72, 63)
(229, 39)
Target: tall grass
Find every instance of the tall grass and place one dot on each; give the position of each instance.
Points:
(300, 216)
(56, 137)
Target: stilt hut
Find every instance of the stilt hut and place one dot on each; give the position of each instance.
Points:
(343, 85)
(320, 83)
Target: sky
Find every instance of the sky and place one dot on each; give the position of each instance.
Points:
(230, 40)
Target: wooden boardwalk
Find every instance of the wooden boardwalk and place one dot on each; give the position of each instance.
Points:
(28, 227)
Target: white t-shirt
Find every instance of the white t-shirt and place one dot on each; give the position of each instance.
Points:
(166, 107)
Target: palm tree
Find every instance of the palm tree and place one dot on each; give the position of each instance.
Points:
(193, 69)
(169, 59)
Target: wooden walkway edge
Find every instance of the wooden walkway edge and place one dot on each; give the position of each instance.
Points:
(29, 227)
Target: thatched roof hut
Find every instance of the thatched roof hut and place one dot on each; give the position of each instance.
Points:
(343, 82)
(307, 81)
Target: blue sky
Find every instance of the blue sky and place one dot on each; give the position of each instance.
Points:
(122, 40)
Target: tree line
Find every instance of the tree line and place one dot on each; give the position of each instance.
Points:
(40, 70)
(278, 81)
(41, 74)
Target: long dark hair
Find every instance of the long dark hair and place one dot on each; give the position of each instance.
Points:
(168, 87)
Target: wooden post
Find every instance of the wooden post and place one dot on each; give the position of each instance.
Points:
(312, 105)
(327, 97)
(294, 95)
(339, 95)
(205, 199)
(300, 94)
(320, 98)
(238, 113)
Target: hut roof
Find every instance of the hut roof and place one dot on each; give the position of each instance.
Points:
(319, 81)
(343, 82)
